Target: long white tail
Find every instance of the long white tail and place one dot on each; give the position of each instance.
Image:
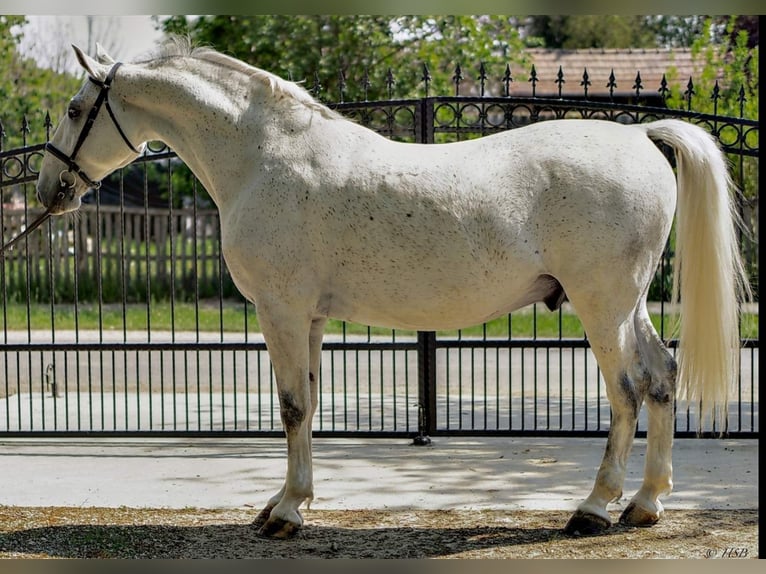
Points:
(708, 268)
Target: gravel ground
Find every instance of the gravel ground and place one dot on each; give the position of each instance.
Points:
(58, 532)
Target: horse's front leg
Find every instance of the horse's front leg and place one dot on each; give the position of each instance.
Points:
(287, 339)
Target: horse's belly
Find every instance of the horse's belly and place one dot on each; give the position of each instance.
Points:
(424, 306)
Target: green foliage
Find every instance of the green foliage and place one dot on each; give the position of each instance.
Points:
(321, 46)
(729, 67)
(737, 66)
(26, 91)
(443, 42)
(590, 31)
(672, 31)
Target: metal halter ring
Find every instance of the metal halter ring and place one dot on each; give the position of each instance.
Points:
(63, 183)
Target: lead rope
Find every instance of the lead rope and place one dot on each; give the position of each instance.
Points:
(34, 225)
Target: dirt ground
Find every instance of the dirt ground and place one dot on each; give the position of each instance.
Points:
(27, 532)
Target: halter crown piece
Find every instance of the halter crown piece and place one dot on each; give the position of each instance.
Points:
(69, 160)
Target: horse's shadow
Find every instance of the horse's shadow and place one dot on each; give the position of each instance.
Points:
(227, 541)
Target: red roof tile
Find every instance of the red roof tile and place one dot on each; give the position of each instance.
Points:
(600, 63)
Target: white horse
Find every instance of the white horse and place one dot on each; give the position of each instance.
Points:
(322, 218)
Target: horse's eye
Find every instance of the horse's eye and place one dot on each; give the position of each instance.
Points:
(73, 113)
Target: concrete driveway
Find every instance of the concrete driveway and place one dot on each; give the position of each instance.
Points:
(498, 473)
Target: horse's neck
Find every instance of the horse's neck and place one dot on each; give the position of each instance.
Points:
(207, 124)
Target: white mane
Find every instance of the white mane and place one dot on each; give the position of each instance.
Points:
(180, 47)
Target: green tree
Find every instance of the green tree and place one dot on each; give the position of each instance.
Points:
(296, 47)
(589, 31)
(307, 47)
(729, 58)
(443, 42)
(727, 85)
(672, 31)
(27, 92)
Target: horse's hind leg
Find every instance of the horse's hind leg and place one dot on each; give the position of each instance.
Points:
(613, 341)
(645, 508)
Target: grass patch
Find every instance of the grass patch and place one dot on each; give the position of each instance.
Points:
(233, 316)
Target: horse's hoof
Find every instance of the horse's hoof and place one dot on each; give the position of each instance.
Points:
(279, 528)
(585, 524)
(634, 515)
(262, 517)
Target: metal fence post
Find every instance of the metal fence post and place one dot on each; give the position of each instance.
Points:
(424, 126)
(426, 387)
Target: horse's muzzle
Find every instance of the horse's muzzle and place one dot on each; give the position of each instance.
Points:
(63, 198)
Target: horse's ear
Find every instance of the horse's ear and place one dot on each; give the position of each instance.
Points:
(92, 68)
(102, 56)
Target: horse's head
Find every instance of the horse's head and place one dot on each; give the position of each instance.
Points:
(92, 139)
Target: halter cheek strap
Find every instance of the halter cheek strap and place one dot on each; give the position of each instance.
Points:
(69, 160)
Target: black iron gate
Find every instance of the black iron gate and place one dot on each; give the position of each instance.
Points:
(124, 320)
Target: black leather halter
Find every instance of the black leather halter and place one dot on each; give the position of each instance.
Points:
(69, 160)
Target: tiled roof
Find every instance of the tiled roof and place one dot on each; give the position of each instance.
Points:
(650, 63)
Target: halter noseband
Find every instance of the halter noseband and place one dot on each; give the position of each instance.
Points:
(69, 160)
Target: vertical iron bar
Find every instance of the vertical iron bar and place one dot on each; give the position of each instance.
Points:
(358, 389)
(195, 283)
(534, 364)
(382, 392)
(52, 295)
(426, 387)
(426, 341)
(124, 271)
(148, 297)
(393, 381)
(221, 267)
(460, 385)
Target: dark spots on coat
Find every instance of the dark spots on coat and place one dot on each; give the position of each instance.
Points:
(660, 396)
(311, 377)
(630, 394)
(292, 414)
(662, 390)
(372, 218)
(672, 367)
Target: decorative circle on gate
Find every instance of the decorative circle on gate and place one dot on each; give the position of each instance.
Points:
(750, 138)
(13, 167)
(33, 162)
(471, 116)
(445, 115)
(495, 116)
